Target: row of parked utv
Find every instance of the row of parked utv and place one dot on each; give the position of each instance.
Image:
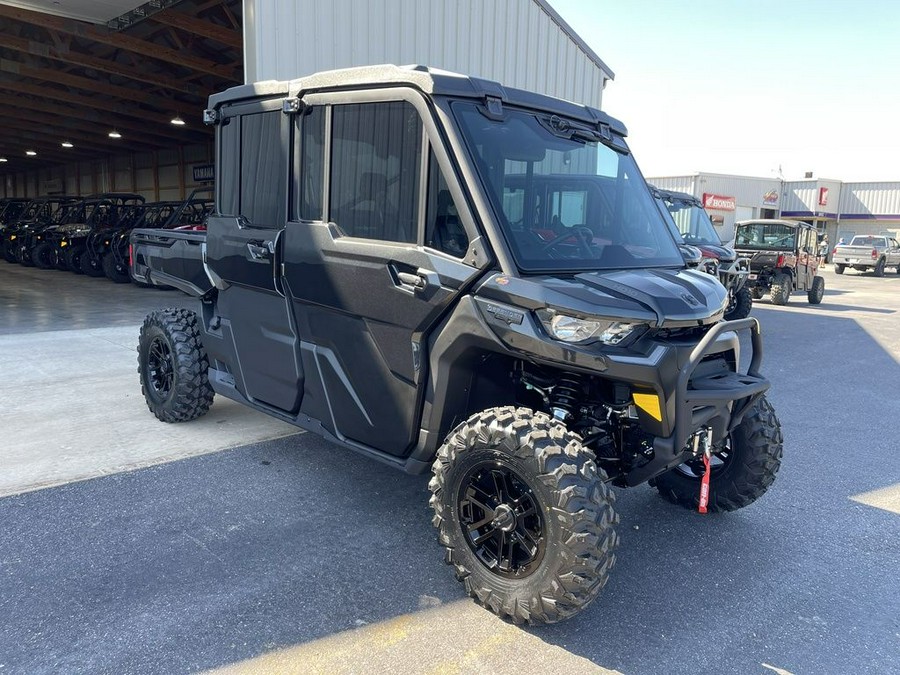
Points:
(89, 235)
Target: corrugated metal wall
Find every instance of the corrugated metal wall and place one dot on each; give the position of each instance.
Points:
(803, 196)
(871, 199)
(516, 42)
(674, 183)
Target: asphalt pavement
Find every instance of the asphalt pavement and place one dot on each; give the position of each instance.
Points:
(292, 555)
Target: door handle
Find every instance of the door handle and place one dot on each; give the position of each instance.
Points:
(417, 281)
(261, 252)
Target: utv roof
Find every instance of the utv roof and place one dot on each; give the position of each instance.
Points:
(431, 81)
(772, 221)
(680, 196)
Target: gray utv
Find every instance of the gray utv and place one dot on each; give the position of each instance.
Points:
(450, 276)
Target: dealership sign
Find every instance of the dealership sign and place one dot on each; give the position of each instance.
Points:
(770, 198)
(823, 196)
(718, 202)
(204, 172)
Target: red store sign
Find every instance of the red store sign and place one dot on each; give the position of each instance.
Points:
(823, 196)
(718, 202)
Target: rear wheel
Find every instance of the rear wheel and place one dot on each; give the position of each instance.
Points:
(742, 466)
(524, 514)
(740, 305)
(879, 268)
(781, 289)
(114, 271)
(73, 259)
(9, 252)
(173, 366)
(42, 256)
(838, 269)
(817, 291)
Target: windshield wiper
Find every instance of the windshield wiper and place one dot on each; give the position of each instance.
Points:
(565, 129)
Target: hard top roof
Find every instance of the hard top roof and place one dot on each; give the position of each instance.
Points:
(679, 196)
(772, 221)
(431, 81)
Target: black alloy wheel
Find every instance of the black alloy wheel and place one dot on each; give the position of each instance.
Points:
(160, 368)
(501, 519)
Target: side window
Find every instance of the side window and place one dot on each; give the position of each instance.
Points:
(312, 163)
(375, 154)
(253, 168)
(263, 169)
(228, 168)
(443, 228)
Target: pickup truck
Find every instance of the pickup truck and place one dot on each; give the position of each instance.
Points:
(866, 252)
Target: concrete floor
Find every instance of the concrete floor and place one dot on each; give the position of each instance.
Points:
(70, 401)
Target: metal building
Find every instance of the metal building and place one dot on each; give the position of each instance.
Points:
(840, 210)
(728, 198)
(520, 43)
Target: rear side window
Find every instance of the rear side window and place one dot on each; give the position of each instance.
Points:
(253, 161)
(375, 162)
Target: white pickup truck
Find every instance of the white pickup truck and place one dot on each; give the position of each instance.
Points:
(867, 251)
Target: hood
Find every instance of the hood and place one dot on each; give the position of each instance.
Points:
(660, 297)
(723, 253)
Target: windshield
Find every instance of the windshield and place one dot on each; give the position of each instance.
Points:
(692, 221)
(765, 235)
(564, 200)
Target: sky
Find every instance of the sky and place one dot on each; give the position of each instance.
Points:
(753, 87)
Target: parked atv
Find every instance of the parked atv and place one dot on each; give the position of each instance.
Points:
(11, 210)
(68, 242)
(784, 257)
(399, 285)
(100, 239)
(693, 225)
(40, 213)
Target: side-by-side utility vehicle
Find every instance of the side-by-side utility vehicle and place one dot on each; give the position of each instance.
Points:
(412, 264)
(784, 257)
(693, 225)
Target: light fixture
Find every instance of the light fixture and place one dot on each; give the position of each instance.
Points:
(3, 159)
(66, 144)
(30, 153)
(177, 121)
(115, 134)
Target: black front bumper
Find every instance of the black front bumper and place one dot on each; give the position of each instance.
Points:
(718, 401)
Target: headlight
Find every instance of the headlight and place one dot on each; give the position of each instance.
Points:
(576, 330)
(12, 237)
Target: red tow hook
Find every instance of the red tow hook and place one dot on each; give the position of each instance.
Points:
(704, 482)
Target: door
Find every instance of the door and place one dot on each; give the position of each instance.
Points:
(254, 143)
(372, 263)
(807, 257)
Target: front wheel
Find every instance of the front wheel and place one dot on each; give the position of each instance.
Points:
(742, 466)
(173, 366)
(90, 265)
(740, 305)
(781, 289)
(817, 292)
(839, 269)
(524, 514)
(114, 271)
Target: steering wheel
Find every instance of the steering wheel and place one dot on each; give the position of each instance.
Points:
(583, 235)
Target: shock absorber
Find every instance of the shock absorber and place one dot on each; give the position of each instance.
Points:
(565, 396)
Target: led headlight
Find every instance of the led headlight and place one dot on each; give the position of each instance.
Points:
(576, 330)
